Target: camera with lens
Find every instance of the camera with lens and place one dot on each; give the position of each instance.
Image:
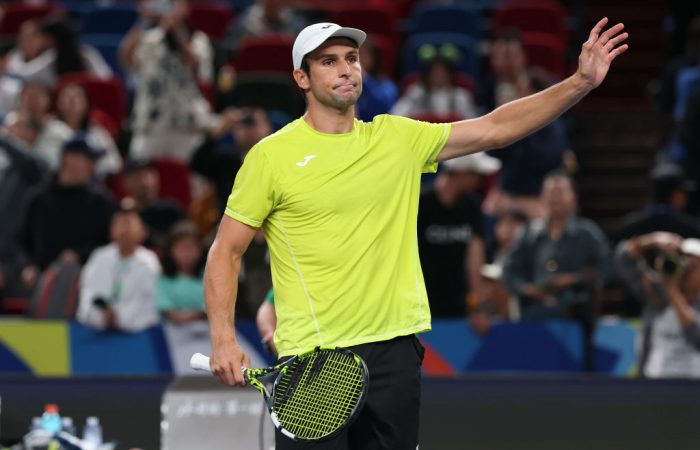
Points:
(673, 263)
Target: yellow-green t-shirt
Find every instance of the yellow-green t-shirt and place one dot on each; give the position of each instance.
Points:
(339, 214)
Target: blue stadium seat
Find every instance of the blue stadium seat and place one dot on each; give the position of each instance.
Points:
(109, 20)
(448, 18)
(469, 52)
(108, 46)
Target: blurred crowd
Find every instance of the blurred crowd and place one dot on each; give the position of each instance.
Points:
(124, 124)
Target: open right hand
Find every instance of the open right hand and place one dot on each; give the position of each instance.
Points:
(227, 362)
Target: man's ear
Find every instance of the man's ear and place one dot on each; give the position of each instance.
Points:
(302, 79)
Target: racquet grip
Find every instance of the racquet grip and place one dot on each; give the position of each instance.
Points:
(201, 362)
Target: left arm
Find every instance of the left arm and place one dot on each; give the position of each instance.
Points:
(517, 119)
(475, 259)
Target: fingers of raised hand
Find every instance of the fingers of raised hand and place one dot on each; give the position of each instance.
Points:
(595, 32)
(612, 43)
(610, 32)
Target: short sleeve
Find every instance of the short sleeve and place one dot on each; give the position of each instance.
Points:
(253, 196)
(425, 140)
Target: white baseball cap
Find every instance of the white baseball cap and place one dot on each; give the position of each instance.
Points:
(311, 37)
(691, 246)
(480, 163)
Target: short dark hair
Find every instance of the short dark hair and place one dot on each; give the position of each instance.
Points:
(181, 230)
(561, 173)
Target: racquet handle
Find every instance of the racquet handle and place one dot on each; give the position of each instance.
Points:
(201, 362)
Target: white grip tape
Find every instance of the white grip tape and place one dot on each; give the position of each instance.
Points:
(200, 362)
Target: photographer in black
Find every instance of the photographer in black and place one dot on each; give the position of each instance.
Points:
(663, 271)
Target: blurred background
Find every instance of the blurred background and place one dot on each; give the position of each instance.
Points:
(563, 271)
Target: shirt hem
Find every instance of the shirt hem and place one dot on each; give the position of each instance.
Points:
(423, 327)
(241, 218)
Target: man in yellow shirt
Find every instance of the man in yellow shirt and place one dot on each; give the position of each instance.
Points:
(337, 199)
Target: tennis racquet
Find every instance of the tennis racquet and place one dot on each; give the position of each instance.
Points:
(314, 395)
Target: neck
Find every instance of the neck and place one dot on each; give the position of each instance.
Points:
(66, 179)
(329, 120)
(556, 225)
(126, 251)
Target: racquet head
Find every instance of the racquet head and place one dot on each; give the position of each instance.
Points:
(318, 393)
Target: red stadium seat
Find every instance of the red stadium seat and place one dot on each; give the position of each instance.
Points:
(544, 50)
(105, 120)
(388, 50)
(540, 16)
(174, 181)
(265, 54)
(107, 95)
(374, 20)
(213, 18)
(17, 13)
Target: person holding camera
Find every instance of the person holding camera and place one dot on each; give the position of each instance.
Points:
(663, 271)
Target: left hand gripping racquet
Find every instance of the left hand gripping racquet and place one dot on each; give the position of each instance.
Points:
(314, 395)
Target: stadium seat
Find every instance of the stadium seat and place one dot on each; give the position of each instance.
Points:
(105, 94)
(109, 20)
(541, 16)
(468, 47)
(174, 180)
(108, 46)
(15, 14)
(448, 18)
(212, 18)
(271, 92)
(546, 51)
(388, 50)
(105, 120)
(371, 19)
(265, 54)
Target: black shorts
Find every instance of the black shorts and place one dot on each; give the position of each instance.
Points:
(389, 417)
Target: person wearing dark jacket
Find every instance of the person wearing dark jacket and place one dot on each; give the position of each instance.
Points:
(20, 170)
(68, 217)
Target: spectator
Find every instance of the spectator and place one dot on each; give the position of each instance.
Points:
(437, 93)
(35, 99)
(20, 170)
(529, 160)
(497, 299)
(450, 235)
(507, 227)
(669, 195)
(180, 289)
(142, 183)
(45, 51)
(73, 108)
(170, 114)
(68, 218)
(557, 266)
(508, 63)
(669, 288)
(118, 283)
(218, 159)
(556, 262)
(262, 18)
(379, 92)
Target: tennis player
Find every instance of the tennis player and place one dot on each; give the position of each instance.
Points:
(337, 199)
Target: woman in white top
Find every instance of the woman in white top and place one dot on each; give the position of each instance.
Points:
(437, 93)
(73, 108)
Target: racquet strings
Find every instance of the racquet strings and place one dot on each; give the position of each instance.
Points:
(317, 394)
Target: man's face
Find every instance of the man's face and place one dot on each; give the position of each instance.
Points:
(558, 196)
(335, 74)
(81, 167)
(142, 184)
